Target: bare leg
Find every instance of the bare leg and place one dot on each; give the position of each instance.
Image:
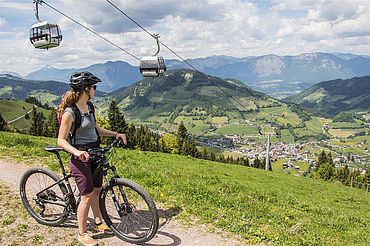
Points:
(95, 205)
(83, 212)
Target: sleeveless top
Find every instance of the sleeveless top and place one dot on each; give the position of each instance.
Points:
(86, 132)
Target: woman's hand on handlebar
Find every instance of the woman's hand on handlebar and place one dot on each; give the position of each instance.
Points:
(82, 155)
(121, 136)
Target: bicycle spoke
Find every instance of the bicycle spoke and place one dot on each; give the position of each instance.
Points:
(47, 207)
(137, 222)
(143, 218)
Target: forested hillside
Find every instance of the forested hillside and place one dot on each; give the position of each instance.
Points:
(337, 95)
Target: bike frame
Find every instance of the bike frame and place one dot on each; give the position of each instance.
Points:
(70, 198)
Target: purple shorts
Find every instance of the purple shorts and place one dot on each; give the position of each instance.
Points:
(83, 171)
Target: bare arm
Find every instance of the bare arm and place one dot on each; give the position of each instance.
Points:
(64, 129)
(104, 132)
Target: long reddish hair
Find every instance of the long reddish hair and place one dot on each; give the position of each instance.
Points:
(68, 99)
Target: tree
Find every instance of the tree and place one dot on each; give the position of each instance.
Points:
(116, 119)
(130, 136)
(343, 174)
(205, 153)
(193, 148)
(103, 123)
(51, 126)
(262, 163)
(329, 171)
(170, 143)
(182, 136)
(246, 162)
(162, 146)
(212, 156)
(34, 101)
(3, 124)
(344, 117)
(321, 160)
(36, 122)
(185, 149)
(325, 167)
(221, 158)
(256, 162)
(153, 145)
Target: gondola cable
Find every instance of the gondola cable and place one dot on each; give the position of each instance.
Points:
(107, 40)
(70, 18)
(189, 64)
(117, 46)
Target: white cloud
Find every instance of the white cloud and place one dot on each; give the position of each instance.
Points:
(287, 27)
(329, 10)
(2, 22)
(192, 28)
(16, 5)
(292, 4)
(325, 19)
(314, 31)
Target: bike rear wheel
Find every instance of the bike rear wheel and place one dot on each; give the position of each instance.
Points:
(48, 207)
(136, 218)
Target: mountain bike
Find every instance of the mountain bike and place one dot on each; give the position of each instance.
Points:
(127, 209)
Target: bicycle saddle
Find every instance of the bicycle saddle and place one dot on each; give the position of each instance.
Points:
(53, 149)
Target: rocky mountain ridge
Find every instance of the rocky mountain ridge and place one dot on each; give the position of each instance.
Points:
(277, 76)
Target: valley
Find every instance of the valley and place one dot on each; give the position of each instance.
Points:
(223, 115)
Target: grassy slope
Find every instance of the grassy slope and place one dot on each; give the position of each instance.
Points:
(11, 110)
(261, 206)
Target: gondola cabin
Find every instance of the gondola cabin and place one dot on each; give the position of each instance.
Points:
(152, 66)
(44, 35)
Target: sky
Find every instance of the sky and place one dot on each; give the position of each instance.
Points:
(191, 28)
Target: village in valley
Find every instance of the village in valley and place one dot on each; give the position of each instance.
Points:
(300, 156)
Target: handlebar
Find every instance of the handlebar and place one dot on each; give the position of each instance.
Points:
(100, 152)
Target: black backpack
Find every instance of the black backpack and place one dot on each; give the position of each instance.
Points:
(77, 123)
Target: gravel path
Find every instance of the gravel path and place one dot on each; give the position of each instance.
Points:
(170, 233)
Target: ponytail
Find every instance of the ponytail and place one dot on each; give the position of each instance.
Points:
(68, 99)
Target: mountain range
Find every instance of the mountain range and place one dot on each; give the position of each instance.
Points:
(12, 87)
(337, 95)
(114, 75)
(281, 76)
(207, 105)
(277, 76)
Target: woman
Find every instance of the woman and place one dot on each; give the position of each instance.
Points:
(85, 137)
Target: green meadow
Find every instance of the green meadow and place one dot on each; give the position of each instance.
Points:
(262, 207)
(237, 129)
(13, 109)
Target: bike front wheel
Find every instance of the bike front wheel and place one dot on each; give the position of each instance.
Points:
(129, 211)
(43, 201)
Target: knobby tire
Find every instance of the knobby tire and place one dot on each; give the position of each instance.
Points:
(138, 222)
(33, 181)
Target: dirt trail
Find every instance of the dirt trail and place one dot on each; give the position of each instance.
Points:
(20, 117)
(170, 233)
